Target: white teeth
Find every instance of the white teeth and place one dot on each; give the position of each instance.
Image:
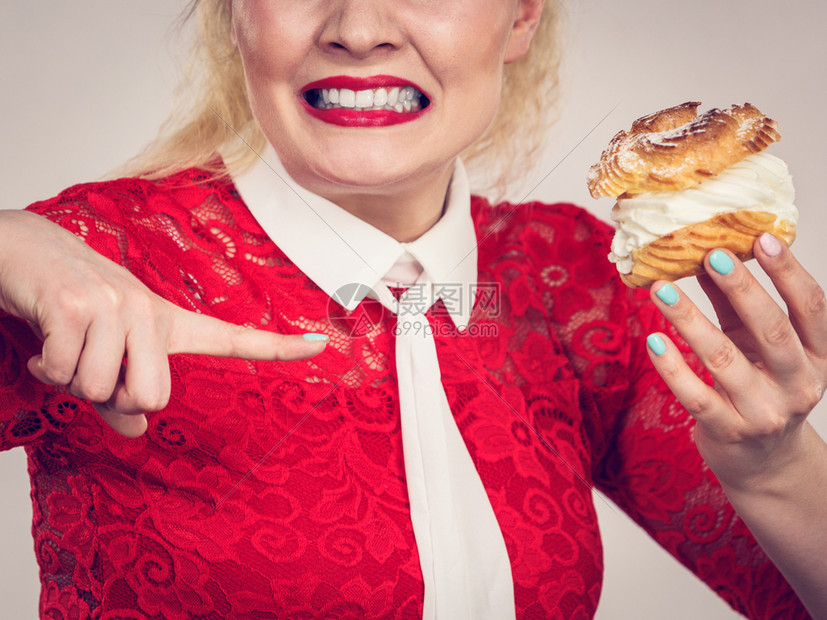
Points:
(401, 99)
(347, 98)
(364, 98)
(393, 96)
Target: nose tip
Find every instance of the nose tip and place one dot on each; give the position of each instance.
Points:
(361, 28)
(358, 49)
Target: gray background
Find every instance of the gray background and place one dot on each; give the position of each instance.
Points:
(87, 83)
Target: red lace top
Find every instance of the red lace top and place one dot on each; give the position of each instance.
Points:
(277, 490)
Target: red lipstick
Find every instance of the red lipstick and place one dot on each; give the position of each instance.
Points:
(345, 116)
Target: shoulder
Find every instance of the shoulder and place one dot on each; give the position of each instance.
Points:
(557, 253)
(554, 257)
(508, 216)
(560, 237)
(125, 199)
(189, 237)
(560, 222)
(116, 217)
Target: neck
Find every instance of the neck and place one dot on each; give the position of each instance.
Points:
(405, 213)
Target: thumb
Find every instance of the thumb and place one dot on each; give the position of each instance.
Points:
(128, 425)
(204, 335)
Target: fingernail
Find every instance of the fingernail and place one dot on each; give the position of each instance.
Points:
(656, 344)
(667, 294)
(770, 245)
(315, 337)
(721, 262)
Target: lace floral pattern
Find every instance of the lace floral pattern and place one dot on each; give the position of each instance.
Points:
(277, 490)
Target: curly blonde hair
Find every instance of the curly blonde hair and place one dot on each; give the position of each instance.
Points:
(213, 114)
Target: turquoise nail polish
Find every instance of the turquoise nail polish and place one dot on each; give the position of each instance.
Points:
(721, 262)
(667, 294)
(656, 344)
(315, 337)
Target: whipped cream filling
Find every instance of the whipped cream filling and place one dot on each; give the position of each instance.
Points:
(399, 99)
(760, 182)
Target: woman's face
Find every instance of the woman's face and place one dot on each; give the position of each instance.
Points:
(373, 96)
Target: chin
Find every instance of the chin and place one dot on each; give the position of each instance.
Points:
(364, 178)
(374, 171)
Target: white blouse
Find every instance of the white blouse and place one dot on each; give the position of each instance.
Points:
(462, 554)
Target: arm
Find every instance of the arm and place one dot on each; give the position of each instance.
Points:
(769, 371)
(91, 314)
(643, 453)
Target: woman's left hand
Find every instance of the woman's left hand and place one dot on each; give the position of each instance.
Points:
(770, 368)
(770, 371)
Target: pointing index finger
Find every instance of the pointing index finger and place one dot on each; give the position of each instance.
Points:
(204, 335)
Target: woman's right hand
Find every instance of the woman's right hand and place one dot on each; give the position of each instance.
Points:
(91, 313)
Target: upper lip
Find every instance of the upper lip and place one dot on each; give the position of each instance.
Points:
(361, 83)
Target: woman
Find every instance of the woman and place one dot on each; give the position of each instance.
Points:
(284, 487)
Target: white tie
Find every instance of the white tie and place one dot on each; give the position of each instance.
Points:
(462, 554)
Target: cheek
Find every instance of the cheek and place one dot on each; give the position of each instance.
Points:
(270, 47)
(475, 62)
(472, 75)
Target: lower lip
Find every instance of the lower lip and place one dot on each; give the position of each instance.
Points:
(345, 117)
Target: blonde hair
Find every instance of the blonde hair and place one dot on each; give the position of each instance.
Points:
(213, 112)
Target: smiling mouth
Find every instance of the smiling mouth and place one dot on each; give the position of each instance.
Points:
(399, 99)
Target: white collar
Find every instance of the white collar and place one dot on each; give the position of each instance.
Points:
(335, 249)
